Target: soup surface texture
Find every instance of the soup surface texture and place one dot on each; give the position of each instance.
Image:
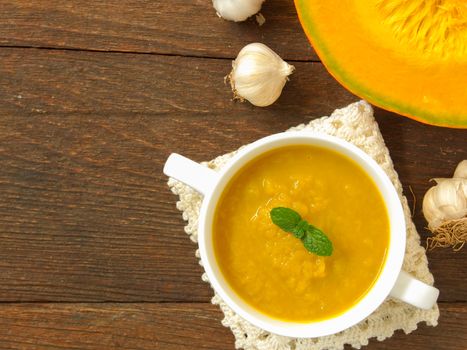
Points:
(270, 269)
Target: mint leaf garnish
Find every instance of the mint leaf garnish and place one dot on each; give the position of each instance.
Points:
(300, 230)
(317, 242)
(314, 240)
(287, 219)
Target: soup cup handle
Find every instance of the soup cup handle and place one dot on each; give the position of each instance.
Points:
(193, 174)
(414, 292)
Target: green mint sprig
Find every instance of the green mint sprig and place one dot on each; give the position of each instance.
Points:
(312, 237)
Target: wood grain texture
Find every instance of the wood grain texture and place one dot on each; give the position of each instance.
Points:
(85, 213)
(176, 27)
(172, 326)
(112, 326)
(43, 81)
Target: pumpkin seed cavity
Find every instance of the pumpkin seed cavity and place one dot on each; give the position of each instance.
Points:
(436, 27)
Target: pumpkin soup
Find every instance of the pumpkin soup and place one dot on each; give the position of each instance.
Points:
(269, 268)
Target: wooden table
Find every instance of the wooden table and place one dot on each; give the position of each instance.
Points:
(93, 98)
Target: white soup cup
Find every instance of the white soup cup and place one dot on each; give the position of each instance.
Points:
(392, 281)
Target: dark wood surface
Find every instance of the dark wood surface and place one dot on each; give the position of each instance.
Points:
(93, 97)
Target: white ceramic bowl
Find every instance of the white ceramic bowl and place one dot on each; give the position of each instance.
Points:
(391, 281)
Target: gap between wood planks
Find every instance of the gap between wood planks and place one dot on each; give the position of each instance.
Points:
(131, 52)
(166, 302)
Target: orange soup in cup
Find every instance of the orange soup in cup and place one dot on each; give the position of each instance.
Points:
(269, 268)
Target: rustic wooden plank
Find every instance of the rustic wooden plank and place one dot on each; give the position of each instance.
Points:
(172, 326)
(110, 326)
(41, 81)
(85, 214)
(166, 27)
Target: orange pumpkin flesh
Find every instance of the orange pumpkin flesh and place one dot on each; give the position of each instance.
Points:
(406, 56)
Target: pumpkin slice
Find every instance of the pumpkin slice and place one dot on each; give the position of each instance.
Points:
(406, 56)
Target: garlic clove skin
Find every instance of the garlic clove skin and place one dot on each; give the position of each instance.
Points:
(237, 10)
(445, 201)
(461, 170)
(439, 180)
(259, 75)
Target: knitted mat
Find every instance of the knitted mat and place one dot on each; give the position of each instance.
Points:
(356, 124)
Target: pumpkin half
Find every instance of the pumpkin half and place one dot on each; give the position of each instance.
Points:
(406, 56)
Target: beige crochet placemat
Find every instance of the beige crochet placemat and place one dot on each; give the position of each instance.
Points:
(356, 124)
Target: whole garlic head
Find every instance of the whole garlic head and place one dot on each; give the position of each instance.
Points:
(259, 75)
(448, 199)
(237, 10)
(445, 201)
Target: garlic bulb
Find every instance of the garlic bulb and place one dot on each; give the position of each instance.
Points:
(237, 10)
(259, 75)
(461, 170)
(445, 201)
(445, 209)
